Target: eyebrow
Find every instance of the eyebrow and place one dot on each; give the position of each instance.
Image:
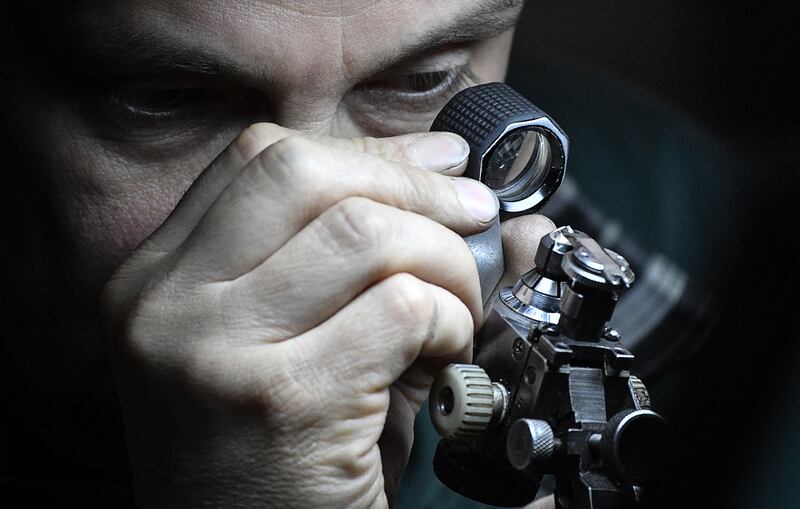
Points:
(118, 50)
(488, 19)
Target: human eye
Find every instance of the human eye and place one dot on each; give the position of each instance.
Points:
(407, 97)
(423, 89)
(166, 113)
(143, 106)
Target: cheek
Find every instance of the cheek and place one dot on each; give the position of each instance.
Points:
(106, 204)
(364, 114)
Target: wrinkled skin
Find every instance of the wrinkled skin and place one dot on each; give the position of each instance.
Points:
(275, 328)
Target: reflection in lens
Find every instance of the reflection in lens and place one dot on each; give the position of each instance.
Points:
(518, 163)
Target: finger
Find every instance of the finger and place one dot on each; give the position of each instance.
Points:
(373, 340)
(406, 397)
(295, 180)
(353, 244)
(548, 502)
(396, 440)
(521, 237)
(212, 181)
(440, 152)
(445, 153)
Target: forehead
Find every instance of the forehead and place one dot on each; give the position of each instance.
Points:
(294, 40)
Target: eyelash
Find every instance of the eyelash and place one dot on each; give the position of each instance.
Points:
(143, 112)
(420, 90)
(135, 105)
(425, 82)
(170, 115)
(150, 102)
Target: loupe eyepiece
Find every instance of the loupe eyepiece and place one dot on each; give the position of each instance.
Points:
(516, 149)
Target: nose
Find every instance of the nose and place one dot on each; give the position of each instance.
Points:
(318, 112)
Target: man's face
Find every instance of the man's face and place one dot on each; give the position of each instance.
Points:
(153, 90)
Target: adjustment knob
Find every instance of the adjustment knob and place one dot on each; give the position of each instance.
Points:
(530, 445)
(551, 251)
(461, 403)
(632, 445)
(639, 393)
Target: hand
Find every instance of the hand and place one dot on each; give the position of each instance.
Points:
(275, 337)
(547, 502)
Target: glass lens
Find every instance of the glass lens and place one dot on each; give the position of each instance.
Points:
(518, 163)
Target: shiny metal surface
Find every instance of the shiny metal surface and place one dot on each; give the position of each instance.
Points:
(527, 194)
(487, 248)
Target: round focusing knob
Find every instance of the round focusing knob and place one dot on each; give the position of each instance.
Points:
(632, 444)
(551, 251)
(530, 444)
(461, 401)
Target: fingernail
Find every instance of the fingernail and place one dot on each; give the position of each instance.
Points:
(439, 151)
(478, 200)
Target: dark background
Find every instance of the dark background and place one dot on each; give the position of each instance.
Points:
(731, 65)
(729, 69)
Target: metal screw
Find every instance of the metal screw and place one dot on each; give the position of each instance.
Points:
(612, 334)
(549, 329)
(517, 349)
(530, 375)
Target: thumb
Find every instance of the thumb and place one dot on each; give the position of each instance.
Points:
(521, 237)
(542, 503)
(440, 152)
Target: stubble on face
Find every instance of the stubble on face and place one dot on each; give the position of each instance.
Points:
(111, 181)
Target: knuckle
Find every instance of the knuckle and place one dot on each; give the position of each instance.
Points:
(158, 328)
(423, 193)
(358, 223)
(255, 138)
(116, 295)
(410, 302)
(293, 152)
(365, 144)
(384, 148)
(290, 160)
(124, 286)
(141, 332)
